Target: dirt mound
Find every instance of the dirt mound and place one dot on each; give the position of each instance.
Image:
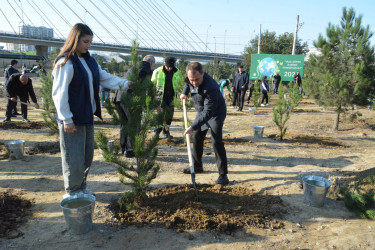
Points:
(222, 209)
(43, 147)
(22, 125)
(13, 210)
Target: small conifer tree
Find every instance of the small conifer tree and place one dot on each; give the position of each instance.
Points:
(281, 113)
(294, 94)
(256, 93)
(49, 113)
(142, 116)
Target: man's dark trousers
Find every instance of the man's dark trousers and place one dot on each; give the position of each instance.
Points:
(218, 145)
(12, 105)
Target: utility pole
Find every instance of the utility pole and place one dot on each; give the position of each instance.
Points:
(260, 32)
(295, 36)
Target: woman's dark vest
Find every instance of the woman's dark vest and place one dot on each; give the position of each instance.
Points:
(79, 91)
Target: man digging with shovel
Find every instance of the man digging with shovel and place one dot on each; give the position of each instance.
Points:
(19, 85)
(211, 113)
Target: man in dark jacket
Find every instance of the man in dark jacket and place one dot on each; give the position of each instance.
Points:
(19, 85)
(276, 82)
(12, 69)
(146, 69)
(211, 113)
(240, 85)
(298, 80)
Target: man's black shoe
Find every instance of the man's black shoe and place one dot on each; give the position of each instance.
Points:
(222, 180)
(13, 115)
(6, 120)
(16, 113)
(197, 171)
(129, 154)
(167, 135)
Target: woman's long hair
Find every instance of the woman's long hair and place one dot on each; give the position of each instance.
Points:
(79, 30)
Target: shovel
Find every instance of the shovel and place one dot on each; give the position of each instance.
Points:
(28, 104)
(191, 165)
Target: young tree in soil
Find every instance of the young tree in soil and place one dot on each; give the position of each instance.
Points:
(142, 116)
(256, 93)
(344, 74)
(294, 94)
(281, 113)
(49, 113)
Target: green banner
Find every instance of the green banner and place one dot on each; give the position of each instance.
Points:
(267, 65)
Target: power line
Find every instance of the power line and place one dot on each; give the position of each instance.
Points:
(80, 18)
(114, 38)
(112, 22)
(185, 24)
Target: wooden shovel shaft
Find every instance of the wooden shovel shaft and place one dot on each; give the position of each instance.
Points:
(28, 104)
(188, 137)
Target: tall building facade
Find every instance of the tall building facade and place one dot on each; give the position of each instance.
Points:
(32, 32)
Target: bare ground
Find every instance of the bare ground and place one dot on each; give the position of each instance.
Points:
(261, 167)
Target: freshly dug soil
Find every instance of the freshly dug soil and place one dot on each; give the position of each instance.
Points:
(13, 210)
(214, 208)
(23, 125)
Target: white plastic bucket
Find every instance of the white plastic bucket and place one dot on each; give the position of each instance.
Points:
(258, 131)
(15, 149)
(315, 190)
(78, 211)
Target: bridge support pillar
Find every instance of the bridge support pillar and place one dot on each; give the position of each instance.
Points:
(42, 50)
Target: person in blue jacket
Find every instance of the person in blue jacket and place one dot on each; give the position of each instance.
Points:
(211, 113)
(75, 92)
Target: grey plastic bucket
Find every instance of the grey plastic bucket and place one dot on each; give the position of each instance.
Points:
(252, 111)
(15, 149)
(78, 211)
(315, 190)
(258, 131)
(110, 146)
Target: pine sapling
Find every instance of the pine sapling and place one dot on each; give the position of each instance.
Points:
(49, 113)
(256, 93)
(281, 113)
(141, 104)
(294, 94)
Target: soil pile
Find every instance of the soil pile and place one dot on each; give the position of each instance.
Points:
(217, 208)
(13, 210)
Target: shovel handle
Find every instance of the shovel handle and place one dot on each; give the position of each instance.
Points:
(28, 104)
(188, 138)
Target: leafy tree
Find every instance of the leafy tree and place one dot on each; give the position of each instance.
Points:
(344, 73)
(273, 44)
(53, 54)
(100, 60)
(219, 69)
(49, 113)
(142, 116)
(281, 113)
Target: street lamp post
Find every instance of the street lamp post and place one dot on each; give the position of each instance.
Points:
(183, 37)
(136, 38)
(225, 34)
(207, 36)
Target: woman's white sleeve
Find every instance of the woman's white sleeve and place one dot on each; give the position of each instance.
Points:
(62, 76)
(110, 81)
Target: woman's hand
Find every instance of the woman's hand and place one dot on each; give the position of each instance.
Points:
(70, 128)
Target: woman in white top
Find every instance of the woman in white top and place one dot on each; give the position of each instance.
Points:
(75, 92)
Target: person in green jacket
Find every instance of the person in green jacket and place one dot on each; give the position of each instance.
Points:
(225, 83)
(166, 80)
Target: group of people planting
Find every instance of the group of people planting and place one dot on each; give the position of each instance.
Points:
(77, 78)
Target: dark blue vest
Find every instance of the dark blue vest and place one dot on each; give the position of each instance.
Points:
(79, 91)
